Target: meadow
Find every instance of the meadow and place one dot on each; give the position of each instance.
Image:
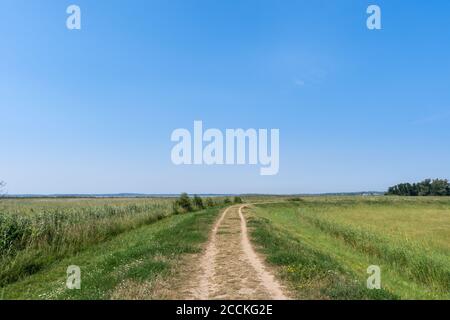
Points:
(36, 232)
(130, 248)
(324, 245)
(113, 240)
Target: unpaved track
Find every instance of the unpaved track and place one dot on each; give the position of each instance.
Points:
(230, 268)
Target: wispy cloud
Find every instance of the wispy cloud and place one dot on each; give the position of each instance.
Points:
(431, 119)
(299, 83)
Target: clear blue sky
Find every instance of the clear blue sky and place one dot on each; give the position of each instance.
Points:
(92, 111)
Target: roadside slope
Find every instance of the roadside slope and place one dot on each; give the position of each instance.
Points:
(136, 263)
(318, 264)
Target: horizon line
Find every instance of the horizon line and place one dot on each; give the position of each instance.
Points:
(143, 195)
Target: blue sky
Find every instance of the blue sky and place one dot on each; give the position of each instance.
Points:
(92, 111)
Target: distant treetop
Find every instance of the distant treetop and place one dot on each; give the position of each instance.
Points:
(428, 187)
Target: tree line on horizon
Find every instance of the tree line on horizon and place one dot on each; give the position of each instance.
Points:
(427, 187)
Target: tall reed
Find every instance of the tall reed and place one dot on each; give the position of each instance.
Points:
(33, 236)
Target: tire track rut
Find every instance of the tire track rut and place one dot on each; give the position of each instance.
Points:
(230, 268)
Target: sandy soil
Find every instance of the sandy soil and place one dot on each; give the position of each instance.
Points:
(230, 268)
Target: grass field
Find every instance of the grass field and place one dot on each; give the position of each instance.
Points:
(134, 245)
(36, 232)
(323, 245)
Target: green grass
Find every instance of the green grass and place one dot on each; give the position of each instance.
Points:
(324, 245)
(321, 245)
(36, 232)
(141, 255)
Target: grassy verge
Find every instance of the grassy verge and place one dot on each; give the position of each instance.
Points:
(415, 262)
(34, 235)
(311, 273)
(322, 257)
(141, 255)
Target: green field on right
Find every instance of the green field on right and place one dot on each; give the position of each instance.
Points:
(323, 246)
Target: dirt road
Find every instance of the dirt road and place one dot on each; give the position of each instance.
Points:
(230, 268)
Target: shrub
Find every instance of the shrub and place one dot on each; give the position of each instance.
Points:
(237, 199)
(210, 202)
(198, 202)
(175, 208)
(185, 202)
